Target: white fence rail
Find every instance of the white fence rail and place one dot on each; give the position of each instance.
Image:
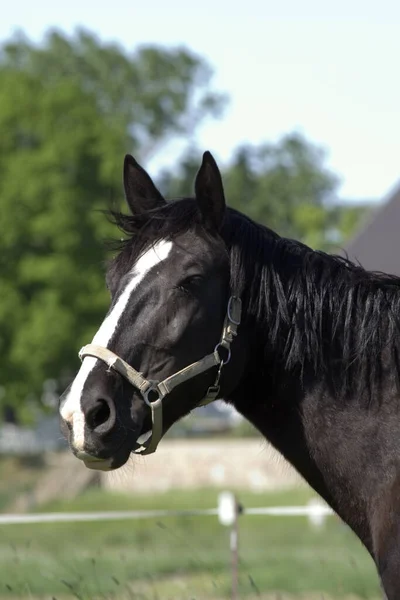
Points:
(314, 511)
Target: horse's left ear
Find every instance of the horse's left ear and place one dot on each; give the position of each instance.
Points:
(210, 193)
(140, 192)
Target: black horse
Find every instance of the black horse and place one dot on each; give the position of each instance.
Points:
(208, 304)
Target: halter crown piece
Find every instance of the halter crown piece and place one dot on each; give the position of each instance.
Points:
(153, 391)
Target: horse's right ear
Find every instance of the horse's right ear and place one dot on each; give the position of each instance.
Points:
(140, 192)
(210, 193)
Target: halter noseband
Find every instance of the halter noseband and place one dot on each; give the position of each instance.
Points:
(153, 391)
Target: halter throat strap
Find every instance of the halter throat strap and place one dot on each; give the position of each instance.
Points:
(153, 392)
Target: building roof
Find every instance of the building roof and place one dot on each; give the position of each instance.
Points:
(377, 245)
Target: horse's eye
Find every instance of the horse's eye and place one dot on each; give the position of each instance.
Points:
(191, 283)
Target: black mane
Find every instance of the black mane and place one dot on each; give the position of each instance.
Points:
(316, 314)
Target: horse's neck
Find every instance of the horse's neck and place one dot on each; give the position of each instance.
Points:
(307, 436)
(279, 420)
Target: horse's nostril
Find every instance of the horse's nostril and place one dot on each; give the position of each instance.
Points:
(98, 415)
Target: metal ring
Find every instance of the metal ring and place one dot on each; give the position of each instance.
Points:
(228, 350)
(151, 388)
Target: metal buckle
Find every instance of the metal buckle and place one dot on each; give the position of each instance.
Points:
(212, 394)
(213, 391)
(234, 310)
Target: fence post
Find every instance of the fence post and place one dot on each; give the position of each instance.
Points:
(228, 515)
(235, 553)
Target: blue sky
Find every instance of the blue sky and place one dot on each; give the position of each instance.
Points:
(330, 72)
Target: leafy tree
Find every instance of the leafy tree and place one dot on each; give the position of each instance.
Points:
(69, 109)
(285, 186)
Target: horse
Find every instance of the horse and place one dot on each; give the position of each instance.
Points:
(207, 304)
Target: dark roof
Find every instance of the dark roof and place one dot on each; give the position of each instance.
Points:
(377, 245)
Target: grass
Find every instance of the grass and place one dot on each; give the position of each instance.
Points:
(183, 558)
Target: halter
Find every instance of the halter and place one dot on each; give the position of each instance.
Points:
(153, 392)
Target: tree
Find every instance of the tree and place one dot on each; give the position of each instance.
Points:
(285, 186)
(69, 109)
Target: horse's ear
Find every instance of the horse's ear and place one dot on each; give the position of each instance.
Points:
(210, 193)
(140, 192)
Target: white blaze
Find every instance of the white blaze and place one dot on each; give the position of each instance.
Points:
(71, 409)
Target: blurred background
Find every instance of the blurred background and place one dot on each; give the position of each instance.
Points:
(299, 103)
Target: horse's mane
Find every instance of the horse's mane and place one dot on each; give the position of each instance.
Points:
(314, 313)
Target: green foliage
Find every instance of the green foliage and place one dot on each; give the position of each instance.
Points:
(69, 110)
(285, 186)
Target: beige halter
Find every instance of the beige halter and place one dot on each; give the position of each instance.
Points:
(159, 389)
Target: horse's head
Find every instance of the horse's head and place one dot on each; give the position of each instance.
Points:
(162, 347)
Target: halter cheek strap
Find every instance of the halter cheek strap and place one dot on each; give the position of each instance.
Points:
(153, 391)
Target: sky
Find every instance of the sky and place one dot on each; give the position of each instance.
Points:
(327, 70)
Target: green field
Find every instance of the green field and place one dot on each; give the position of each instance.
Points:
(185, 558)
